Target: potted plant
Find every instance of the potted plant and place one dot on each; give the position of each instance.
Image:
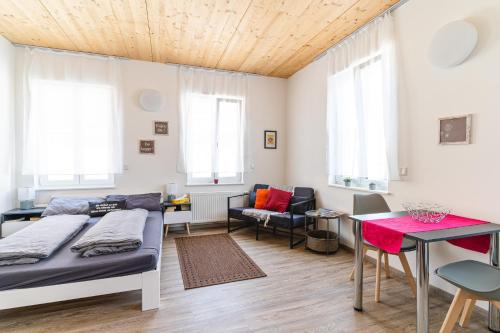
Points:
(372, 186)
(347, 181)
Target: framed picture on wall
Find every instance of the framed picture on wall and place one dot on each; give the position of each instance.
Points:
(455, 130)
(146, 146)
(270, 139)
(160, 127)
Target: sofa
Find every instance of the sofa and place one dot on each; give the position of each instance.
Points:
(302, 200)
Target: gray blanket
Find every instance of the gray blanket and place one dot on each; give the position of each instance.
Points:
(118, 231)
(40, 239)
(259, 214)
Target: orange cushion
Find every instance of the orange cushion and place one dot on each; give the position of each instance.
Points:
(260, 198)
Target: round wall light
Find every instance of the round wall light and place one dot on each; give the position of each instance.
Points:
(452, 44)
(151, 100)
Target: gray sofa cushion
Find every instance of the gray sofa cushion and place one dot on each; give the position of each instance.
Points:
(237, 213)
(283, 220)
(148, 201)
(69, 205)
(305, 192)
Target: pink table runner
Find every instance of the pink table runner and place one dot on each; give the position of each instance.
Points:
(387, 234)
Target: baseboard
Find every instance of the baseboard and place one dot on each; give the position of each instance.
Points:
(432, 289)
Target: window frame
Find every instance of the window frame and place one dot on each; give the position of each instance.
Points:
(238, 179)
(43, 183)
(78, 181)
(381, 185)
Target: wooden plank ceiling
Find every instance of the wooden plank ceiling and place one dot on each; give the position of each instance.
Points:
(268, 37)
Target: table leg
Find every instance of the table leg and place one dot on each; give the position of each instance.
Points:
(338, 233)
(358, 267)
(494, 312)
(422, 287)
(306, 219)
(327, 236)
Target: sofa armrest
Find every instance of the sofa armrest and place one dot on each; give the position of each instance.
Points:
(310, 202)
(235, 196)
(238, 195)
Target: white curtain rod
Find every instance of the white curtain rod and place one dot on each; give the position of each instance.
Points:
(81, 53)
(364, 26)
(90, 54)
(214, 69)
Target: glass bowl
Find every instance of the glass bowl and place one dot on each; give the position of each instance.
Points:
(426, 212)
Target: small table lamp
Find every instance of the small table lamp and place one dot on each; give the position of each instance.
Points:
(26, 197)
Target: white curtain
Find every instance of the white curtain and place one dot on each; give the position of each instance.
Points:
(197, 90)
(362, 104)
(72, 114)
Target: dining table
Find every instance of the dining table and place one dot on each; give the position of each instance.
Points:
(423, 239)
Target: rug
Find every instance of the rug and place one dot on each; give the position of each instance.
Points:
(214, 259)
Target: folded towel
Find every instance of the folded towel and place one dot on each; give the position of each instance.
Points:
(40, 239)
(117, 231)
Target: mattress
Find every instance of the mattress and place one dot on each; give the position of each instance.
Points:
(64, 266)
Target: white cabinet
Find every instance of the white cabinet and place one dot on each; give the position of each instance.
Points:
(177, 216)
(183, 216)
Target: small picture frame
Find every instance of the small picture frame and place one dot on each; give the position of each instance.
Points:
(270, 139)
(455, 130)
(146, 146)
(160, 127)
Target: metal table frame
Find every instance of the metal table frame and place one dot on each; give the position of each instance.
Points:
(423, 240)
(313, 214)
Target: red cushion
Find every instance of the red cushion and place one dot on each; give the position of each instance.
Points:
(277, 200)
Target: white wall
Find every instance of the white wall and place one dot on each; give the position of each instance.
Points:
(266, 108)
(7, 80)
(461, 177)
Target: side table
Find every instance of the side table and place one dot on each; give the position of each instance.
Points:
(178, 215)
(322, 240)
(17, 213)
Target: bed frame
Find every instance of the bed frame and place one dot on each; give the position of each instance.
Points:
(148, 282)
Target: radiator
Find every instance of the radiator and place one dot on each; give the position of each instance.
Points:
(212, 207)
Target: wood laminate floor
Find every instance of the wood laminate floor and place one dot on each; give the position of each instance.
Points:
(303, 292)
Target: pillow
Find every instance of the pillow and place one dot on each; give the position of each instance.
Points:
(69, 205)
(260, 198)
(97, 208)
(277, 200)
(251, 199)
(148, 201)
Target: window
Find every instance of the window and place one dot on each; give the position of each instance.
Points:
(74, 145)
(214, 128)
(357, 139)
(72, 181)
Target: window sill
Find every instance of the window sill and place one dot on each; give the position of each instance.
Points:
(72, 188)
(230, 184)
(361, 189)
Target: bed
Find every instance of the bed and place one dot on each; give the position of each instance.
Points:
(66, 276)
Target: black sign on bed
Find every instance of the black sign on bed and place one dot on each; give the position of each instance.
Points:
(97, 209)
